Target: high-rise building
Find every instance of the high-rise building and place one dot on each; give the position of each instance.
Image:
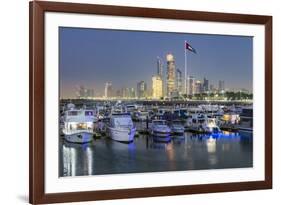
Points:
(198, 87)
(157, 87)
(124, 92)
(132, 93)
(141, 89)
(128, 92)
(159, 67)
(179, 81)
(191, 85)
(108, 91)
(84, 93)
(118, 93)
(212, 88)
(221, 86)
(205, 85)
(171, 72)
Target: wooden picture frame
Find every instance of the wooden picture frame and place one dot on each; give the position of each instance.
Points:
(37, 193)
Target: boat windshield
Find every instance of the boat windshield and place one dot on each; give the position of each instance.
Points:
(159, 122)
(123, 122)
(72, 113)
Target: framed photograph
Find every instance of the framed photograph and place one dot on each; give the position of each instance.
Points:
(132, 102)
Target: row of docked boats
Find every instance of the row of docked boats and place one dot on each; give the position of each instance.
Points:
(78, 125)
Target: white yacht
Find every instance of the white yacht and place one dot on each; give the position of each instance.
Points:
(160, 128)
(78, 125)
(202, 123)
(177, 127)
(121, 127)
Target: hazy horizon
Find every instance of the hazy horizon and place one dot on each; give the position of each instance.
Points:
(92, 57)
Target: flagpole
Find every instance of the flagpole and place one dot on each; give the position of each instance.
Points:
(185, 69)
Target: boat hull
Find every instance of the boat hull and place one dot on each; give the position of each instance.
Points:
(177, 131)
(119, 135)
(245, 132)
(81, 137)
(160, 134)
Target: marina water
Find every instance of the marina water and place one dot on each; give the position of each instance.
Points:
(147, 154)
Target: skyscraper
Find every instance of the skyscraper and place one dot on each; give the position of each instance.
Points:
(84, 93)
(157, 87)
(118, 93)
(205, 85)
(179, 81)
(90, 93)
(80, 92)
(141, 89)
(132, 93)
(212, 88)
(198, 87)
(221, 86)
(159, 67)
(123, 93)
(171, 72)
(191, 85)
(108, 91)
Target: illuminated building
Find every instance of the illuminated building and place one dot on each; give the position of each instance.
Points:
(108, 91)
(205, 85)
(159, 67)
(171, 72)
(128, 92)
(84, 93)
(132, 93)
(179, 81)
(141, 89)
(157, 87)
(191, 85)
(198, 87)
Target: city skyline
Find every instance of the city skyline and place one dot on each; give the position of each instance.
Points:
(134, 57)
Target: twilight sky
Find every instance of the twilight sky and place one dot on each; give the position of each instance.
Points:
(92, 57)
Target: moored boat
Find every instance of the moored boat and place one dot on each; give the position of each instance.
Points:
(121, 128)
(160, 128)
(78, 125)
(177, 127)
(202, 123)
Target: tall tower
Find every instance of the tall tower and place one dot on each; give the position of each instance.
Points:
(157, 87)
(221, 86)
(141, 89)
(179, 81)
(171, 72)
(206, 85)
(191, 85)
(198, 87)
(159, 67)
(108, 90)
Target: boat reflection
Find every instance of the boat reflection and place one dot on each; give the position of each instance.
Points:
(149, 154)
(77, 159)
(211, 145)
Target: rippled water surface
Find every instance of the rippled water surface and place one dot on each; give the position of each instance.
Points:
(147, 154)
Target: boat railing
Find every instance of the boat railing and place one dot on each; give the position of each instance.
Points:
(78, 131)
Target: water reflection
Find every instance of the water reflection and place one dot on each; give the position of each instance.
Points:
(211, 145)
(148, 154)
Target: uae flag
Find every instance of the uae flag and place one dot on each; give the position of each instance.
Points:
(189, 47)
